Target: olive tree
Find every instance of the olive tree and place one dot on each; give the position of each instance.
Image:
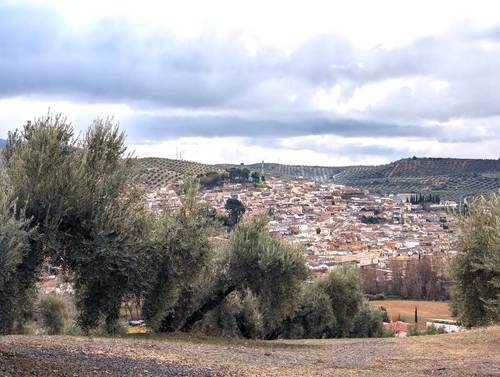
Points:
(272, 269)
(15, 238)
(81, 197)
(182, 249)
(476, 267)
(332, 307)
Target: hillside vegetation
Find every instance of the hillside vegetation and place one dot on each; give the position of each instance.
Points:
(450, 178)
(475, 352)
(159, 172)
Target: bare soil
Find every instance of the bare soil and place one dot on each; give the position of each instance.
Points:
(470, 353)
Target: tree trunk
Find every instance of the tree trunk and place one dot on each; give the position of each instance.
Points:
(210, 304)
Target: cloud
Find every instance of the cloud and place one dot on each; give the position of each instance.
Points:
(114, 61)
(150, 127)
(440, 88)
(145, 128)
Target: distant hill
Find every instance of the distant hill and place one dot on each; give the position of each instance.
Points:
(294, 171)
(158, 172)
(450, 178)
(3, 143)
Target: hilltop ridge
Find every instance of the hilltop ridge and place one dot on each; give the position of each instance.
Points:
(450, 178)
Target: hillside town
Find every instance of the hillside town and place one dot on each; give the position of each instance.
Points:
(337, 225)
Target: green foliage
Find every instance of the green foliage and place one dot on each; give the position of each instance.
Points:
(430, 330)
(89, 215)
(476, 268)
(271, 269)
(112, 252)
(332, 306)
(239, 175)
(368, 323)
(379, 296)
(238, 316)
(212, 179)
(384, 314)
(15, 238)
(40, 175)
(315, 317)
(159, 172)
(236, 210)
(343, 286)
(86, 214)
(255, 177)
(53, 312)
(181, 252)
(371, 219)
(422, 198)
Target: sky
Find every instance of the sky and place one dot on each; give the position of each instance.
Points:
(298, 82)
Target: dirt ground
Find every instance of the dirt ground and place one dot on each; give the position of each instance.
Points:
(470, 353)
(426, 309)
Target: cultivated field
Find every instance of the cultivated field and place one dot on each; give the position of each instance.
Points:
(450, 178)
(159, 172)
(406, 308)
(468, 353)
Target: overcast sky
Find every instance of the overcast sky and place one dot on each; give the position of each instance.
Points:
(304, 82)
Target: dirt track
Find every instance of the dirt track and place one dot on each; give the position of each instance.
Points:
(470, 353)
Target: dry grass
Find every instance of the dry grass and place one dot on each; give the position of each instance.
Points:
(406, 309)
(475, 352)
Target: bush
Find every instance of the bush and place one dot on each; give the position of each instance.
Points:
(384, 314)
(388, 333)
(431, 330)
(333, 307)
(119, 328)
(413, 331)
(367, 323)
(53, 314)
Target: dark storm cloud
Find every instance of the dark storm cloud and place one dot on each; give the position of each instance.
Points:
(143, 128)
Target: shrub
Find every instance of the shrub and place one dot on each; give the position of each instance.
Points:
(53, 314)
(430, 330)
(367, 323)
(388, 333)
(384, 314)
